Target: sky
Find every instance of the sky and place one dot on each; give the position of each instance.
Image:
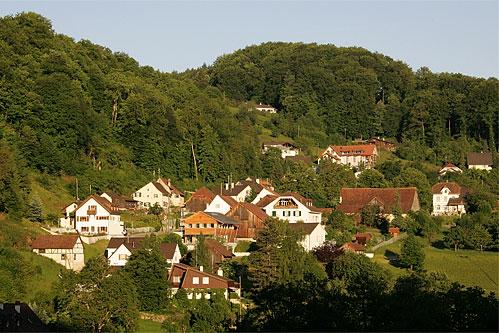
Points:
(446, 36)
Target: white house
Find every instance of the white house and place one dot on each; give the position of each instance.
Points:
(448, 199)
(120, 249)
(265, 108)
(66, 250)
(480, 161)
(287, 148)
(160, 192)
(314, 234)
(353, 156)
(68, 220)
(291, 207)
(96, 216)
(221, 204)
(243, 189)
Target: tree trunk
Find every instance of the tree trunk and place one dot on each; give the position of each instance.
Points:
(114, 115)
(195, 163)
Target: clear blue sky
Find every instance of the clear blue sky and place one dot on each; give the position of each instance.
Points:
(446, 36)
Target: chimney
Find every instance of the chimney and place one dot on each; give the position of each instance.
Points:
(231, 185)
(226, 186)
(169, 182)
(220, 272)
(17, 307)
(257, 180)
(201, 268)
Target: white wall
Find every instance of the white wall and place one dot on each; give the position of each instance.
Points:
(314, 239)
(218, 205)
(113, 223)
(73, 258)
(149, 195)
(293, 215)
(119, 256)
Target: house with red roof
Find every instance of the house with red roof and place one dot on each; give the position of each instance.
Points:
(161, 192)
(448, 168)
(200, 284)
(265, 108)
(448, 198)
(353, 200)
(480, 161)
(66, 250)
(218, 252)
(354, 155)
(96, 216)
(222, 204)
(119, 250)
(200, 200)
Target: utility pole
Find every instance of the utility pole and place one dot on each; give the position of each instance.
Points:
(77, 197)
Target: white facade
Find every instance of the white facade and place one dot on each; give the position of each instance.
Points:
(92, 218)
(67, 221)
(266, 108)
(287, 150)
(441, 203)
(263, 193)
(70, 258)
(158, 193)
(290, 209)
(316, 238)
(480, 167)
(218, 205)
(350, 159)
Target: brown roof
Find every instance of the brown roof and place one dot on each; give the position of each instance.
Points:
(261, 105)
(101, 201)
(355, 150)
(303, 228)
(160, 188)
(233, 191)
(455, 201)
(170, 185)
(353, 247)
(480, 159)
(182, 270)
(363, 235)
(168, 250)
(298, 197)
(266, 200)
(217, 248)
(257, 211)
(19, 317)
(299, 158)
(221, 218)
(452, 186)
(231, 201)
(55, 242)
(279, 143)
(354, 199)
(203, 193)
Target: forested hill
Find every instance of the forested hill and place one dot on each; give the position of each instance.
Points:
(76, 108)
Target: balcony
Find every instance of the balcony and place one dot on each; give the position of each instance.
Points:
(92, 211)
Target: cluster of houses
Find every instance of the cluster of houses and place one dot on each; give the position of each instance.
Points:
(237, 211)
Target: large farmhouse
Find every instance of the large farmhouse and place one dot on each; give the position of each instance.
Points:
(66, 250)
(353, 156)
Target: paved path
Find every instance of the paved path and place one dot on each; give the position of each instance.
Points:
(390, 241)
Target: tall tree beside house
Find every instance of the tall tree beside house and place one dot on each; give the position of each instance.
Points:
(201, 256)
(93, 300)
(412, 253)
(372, 178)
(148, 271)
(331, 178)
(279, 258)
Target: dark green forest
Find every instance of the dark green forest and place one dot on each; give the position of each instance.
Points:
(72, 108)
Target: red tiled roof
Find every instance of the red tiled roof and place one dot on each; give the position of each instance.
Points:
(353, 247)
(231, 201)
(266, 200)
(101, 201)
(455, 201)
(217, 248)
(354, 199)
(257, 211)
(452, 186)
(304, 228)
(160, 188)
(55, 242)
(480, 159)
(167, 250)
(203, 193)
(188, 284)
(355, 150)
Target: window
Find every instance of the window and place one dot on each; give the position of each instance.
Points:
(195, 280)
(41, 251)
(176, 279)
(74, 256)
(206, 280)
(63, 256)
(84, 229)
(123, 257)
(274, 213)
(283, 213)
(299, 213)
(294, 213)
(155, 195)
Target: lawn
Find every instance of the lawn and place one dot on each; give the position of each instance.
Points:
(148, 326)
(47, 272)
(464, 266)
(95, 249)
(140, 219)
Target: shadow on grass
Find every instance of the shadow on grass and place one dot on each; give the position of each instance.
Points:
(393, 258)
(438, 244)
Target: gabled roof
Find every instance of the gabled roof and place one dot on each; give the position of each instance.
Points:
(255, 210)
(279, 143)
(303, 228)
(307, 202)
(186, 268)
(103, 202)
(55, 242)
(354, 199)
(480, 159)
(173, 189)
(160, 188)
(229, 200)
(355, 150)
(453, 187)
(204, 194)
(266, 200)
(217, 248)
(234, 190)
(266, 106)
(221, 218)
(19, 317)
(356, 247)
(131, 243)
(168, 250)
(455, 201)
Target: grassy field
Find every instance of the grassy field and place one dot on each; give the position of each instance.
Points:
(95, 249)
(464, 266)
(51, 192)
(47, 273)
(148, 326)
